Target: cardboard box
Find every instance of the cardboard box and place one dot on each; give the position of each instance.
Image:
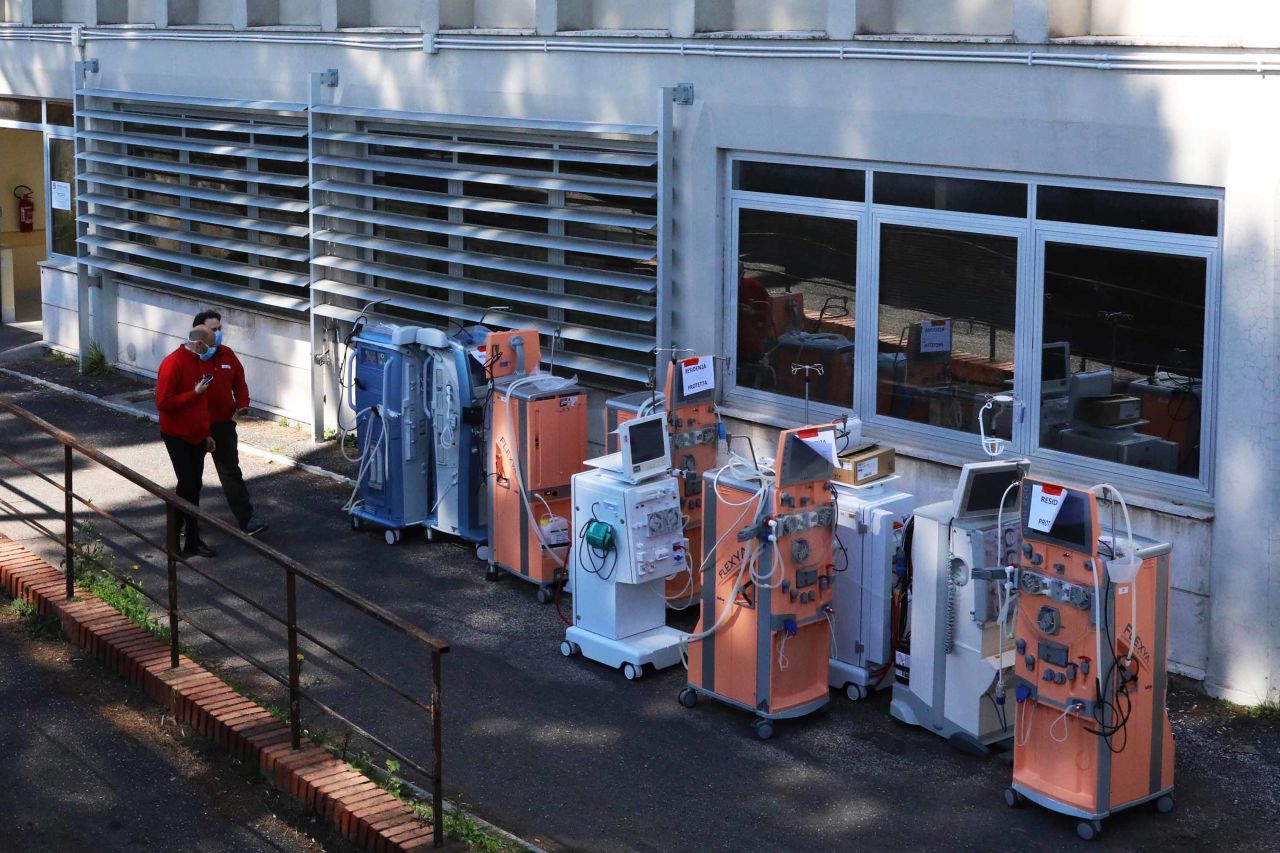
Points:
(865, 465)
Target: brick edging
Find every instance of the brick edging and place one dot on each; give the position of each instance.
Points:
(364, 813)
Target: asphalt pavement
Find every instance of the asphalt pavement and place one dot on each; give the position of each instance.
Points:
(568, 753)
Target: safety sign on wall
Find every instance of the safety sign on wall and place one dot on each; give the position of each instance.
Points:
(60, 195)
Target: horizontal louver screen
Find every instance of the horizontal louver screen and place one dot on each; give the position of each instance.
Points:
(444, 220)
(196, 194)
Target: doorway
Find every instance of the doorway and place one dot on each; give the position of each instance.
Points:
(23, 243)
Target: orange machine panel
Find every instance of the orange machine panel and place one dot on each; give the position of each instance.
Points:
(695, 450)
(548, 443)
(770, 655)
(1092, 735)
(502, 355)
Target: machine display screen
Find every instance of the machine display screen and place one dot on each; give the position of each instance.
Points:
(648, 440)
(987, 489)
(1072, 526)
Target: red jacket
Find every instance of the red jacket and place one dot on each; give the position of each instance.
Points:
(184, 414)
(228, 392)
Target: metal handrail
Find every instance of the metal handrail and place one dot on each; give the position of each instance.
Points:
(174, 505)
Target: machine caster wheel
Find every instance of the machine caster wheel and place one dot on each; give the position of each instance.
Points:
(688, 697)
(1013, 799)
(493, 574)
(392, 537)
(855, 692)
(1089, 829)
(764, 729)
(483, 552)
(431, 534)
(357, 523)
(632, 672)
(1164, 804)
(569, 649)
(544, 595)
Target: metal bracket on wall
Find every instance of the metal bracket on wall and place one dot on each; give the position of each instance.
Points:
(90, 66)
(329, 78)
(682, 93)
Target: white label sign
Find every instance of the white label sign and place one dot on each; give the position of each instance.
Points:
(935, 336)
(868, 468)
(60, 192)
(1045, 503)
(698, 375)
(480, 353)
(821, 442)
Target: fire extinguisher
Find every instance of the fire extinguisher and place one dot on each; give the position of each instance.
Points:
(26, 207)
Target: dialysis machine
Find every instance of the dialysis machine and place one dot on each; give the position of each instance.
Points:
(763, 641)
(537, 441)
(1092, 642)
(694, 428)
(628, 538)
(457, 387)
(388, 390)
(951, 681)
(870, 564)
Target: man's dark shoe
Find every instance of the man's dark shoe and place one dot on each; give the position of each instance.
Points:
(200, 549)
(253, 527)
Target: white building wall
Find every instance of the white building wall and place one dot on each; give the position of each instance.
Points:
(1204, 130)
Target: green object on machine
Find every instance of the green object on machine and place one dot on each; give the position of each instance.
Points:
(599, 535)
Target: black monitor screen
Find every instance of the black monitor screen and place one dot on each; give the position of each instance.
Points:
(986, 490)
(647, 442)
(1072, 525)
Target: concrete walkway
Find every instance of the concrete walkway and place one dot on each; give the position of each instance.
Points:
(570, 754)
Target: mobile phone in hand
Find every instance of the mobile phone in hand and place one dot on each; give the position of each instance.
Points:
(206, 379)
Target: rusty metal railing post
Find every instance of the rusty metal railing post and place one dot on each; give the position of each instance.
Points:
(171, 557)
(295, 665)
(437, 763)
(69, 520)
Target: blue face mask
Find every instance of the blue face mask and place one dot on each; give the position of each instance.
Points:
(208, 354)
(217, 339)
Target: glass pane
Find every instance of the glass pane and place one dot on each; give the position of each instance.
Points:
(811, 181)
(59, 113)
(796, 288)
(947, 304)
(1128, 210)
(997, 198)
(1123, 356)
(62, 167)
(22, 109)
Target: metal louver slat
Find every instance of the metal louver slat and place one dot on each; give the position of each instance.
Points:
(191, 101)
(162, 233)
(178, 143)
(181, 191)
(188, 259)
(297, 131)
(584, 216)
(608, 248)
(423, 120)
(528, 296)
(640, 284)
(244, 175)
(151, 276)
(501, 177)
(472, 314)
(418, 143)
(209, 217)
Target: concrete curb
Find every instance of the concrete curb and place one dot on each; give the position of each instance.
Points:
(133, 411)
(365, 814)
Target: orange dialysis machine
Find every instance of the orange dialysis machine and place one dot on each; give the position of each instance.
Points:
(763, 641)
(537, 441)
(694, 427)
(1092, 734)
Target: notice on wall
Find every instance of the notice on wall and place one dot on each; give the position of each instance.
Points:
(1045, 502)
(60, 195)
(698, 375)
(821, 442)
(935, 336)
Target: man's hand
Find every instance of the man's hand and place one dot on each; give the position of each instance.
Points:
(239, 413)
(203, 384)
(210, 444)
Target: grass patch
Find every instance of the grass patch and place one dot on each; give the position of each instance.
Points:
(91, 566)
(39, 626)
(1267, 712)
(95, 361)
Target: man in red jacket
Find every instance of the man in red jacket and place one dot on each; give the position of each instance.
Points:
(182, 399)
(228, 399)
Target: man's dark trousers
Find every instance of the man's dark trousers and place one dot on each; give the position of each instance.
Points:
(188, 465)
(226, 459)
